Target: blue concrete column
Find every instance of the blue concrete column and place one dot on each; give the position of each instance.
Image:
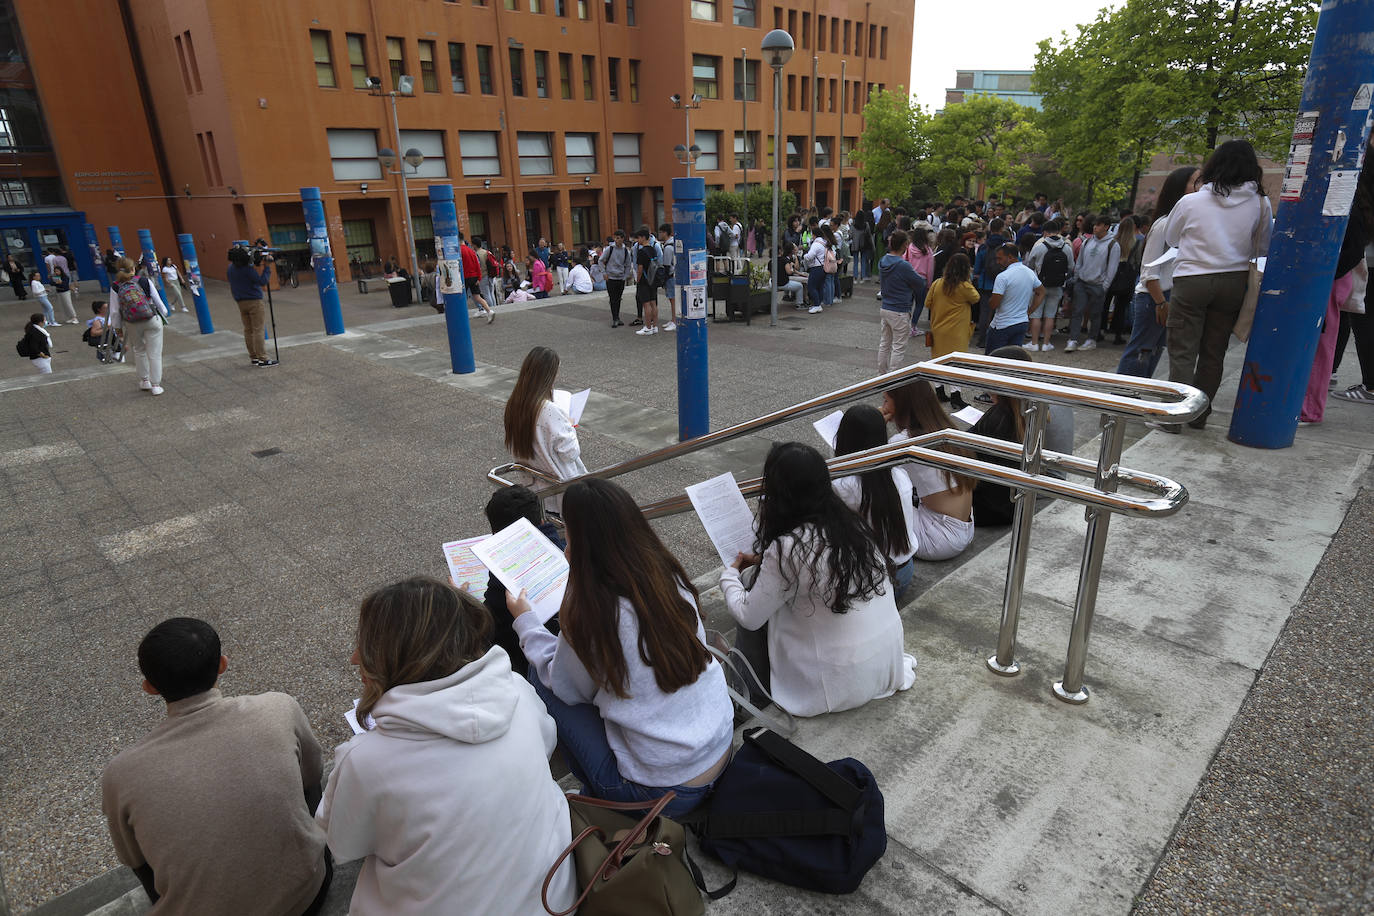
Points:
(116, 241)
(693, 379)
(1309, 227)
(93, 243)
(322, 260)
(187, 245)
(149, 257)
(448, 285)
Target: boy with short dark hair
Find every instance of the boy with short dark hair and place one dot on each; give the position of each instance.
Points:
(213, 809)
(505, 507)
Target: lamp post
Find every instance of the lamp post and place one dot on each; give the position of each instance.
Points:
(695, 151)
(386, 157)
(777, 50)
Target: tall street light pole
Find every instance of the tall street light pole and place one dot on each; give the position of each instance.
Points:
(777, 50)
(811, 158)
(694, 101)
(839, 157)
(388, 158)
(744, 120)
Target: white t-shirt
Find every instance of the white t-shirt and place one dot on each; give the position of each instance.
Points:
(580, 279)
(1017, 285)
(850, 489)
(171, 274)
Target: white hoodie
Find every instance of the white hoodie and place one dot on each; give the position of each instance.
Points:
(451, 800)
(1215, 234)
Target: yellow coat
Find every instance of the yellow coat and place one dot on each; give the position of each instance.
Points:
(951, 321)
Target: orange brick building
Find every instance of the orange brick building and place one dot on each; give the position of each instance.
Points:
(549, 117)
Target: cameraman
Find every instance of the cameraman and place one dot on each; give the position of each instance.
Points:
(245, 285)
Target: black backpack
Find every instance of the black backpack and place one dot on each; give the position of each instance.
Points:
(779, 812)
(22, 347)
(1054, 269)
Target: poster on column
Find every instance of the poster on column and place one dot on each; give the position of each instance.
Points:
(319, 241)
(451, 277)
(694, 301)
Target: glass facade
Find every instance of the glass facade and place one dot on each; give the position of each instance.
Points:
(28, 169)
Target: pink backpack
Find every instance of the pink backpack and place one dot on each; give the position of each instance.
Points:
(134, 304)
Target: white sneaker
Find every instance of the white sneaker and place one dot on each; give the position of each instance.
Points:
(1089, 345)
(644, 332)
(1046, 346)
(670, 326)
(815, 310)
(156, 389)
(491, 316)
(1033, 348)
(653, 330)
(145, 385)
(1071, 346)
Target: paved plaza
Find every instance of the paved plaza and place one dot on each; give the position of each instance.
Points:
(1227, 741)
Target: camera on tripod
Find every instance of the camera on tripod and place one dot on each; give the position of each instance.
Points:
(257, 252)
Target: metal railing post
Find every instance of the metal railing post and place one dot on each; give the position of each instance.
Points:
(1004, 662)
(1071, 689)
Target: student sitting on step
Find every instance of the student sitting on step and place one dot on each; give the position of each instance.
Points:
(944, 518)
(505, 507)
(834, 637)
(883, 498)
(211, 809)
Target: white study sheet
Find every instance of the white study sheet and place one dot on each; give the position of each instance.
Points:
(1165, 258)
(725, 515)
(829, 427)
(571, 403)
(969, 415)
(522, 558)
(351, 717)
(463, 566)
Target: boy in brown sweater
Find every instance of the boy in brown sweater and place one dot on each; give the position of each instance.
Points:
(213, 808)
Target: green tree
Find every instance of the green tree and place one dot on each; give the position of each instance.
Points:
(893, 145)
(723, 203)
(983, 139)
(761, 204)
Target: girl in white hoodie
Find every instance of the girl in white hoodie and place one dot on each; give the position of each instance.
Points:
(1216, 231)
(448, 797)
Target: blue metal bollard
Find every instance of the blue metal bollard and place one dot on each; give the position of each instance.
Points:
(116, 241)
(93, 243)
(1302, 256)
(447, 245)
(149, 257)
(187, 246)
(322, 260)
(693, 378)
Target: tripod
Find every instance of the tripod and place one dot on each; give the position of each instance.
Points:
(272, 315)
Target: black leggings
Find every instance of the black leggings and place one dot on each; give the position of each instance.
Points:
(1362, 328)
(614, 290)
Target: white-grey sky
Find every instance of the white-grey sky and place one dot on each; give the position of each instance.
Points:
(985, 35)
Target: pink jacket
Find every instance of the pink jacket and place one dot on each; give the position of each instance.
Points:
(923, 264)
(540, 278)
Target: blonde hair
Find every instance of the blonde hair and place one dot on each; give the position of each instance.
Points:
(125, 269)
(415, 631)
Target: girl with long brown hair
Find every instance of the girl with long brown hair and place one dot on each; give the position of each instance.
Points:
(641, 705)
(943, 522)
(883, 498)
(538, 432)
(950, 302)
(455, 753)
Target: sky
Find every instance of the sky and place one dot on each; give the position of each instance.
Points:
(985, 35)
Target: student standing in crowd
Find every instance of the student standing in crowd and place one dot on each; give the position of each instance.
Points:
(646, 293)
(130, 296)
(942, 525)
(40, 292)
(814, 262)
(447, 798)
(615, 261)
(1122, 288)
(245, 286)
(903, 295)
(985, 275)
(538, 432)
(951, 301)
(16, 274)
(834, 636)
(1052, 260)
(1093, 269)
(641, 705)
(37, 344)
(883, 498)
(1016, 292)
(212, 808)
(171, 281)
(62, 291)
(561, 264)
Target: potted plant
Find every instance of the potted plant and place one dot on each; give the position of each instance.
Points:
(760, 287)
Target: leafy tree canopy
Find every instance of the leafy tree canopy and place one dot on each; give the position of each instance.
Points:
(893, 145)
(984, 139)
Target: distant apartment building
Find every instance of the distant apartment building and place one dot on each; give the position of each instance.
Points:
(1012, 85)
(549, 117)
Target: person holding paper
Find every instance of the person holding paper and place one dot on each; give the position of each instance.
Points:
(834, 638)
(943, 522)
(641, 705)
(882, 498)
(448, 798)
(505, 506)
(538, 431)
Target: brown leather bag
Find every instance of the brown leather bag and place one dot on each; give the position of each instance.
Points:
(624, 867)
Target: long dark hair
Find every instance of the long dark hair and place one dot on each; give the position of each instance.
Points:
(957, 271)
(796, 494)
(533, 387)
(614, 554)
(1012, 405)
(861, 428)
(1230, 166)
(917, 411)
(1175, 186)
(919, 239)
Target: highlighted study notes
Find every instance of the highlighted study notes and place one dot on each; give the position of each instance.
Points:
(725, 515)
(572, 404)
(468, 572)
(522, 558)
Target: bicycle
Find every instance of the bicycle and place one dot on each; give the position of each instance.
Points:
(286, 274)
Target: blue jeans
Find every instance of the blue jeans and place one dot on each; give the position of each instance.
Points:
(48, 316)
(591, 760)
(1146, 346)
(1011, 336)
(829, 289)
(815, 284)
(860, 264)
(903, 577)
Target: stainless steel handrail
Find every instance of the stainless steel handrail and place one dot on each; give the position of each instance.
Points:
(1035, 385)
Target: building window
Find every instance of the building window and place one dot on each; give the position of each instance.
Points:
(396, 57)
(706, 76)
(205, 160)
(191, 60)
(541, 74)
(806, 30)
(324, 61)
(746, 150)
(429, 76)
(834, 34)
(833, 93)
(872, 40)
(630, 12)
(625, 148)
(770, 152)
(705, 10)
(794, 156)
(634, 81)
(613, 78)
(846, 36)
(181, 57)
(456, 68)
(560, 8)
(745, 13)
(512, 5)
(480, 153)
(806, 93)
(517, 71)
(565, 75)
(583, 10)
(431, 143)
(746, 80)
(536, 6)
(709, 141)
(359, 240)
(357, 60)
(484, 81)
(14, 194)
(882, 43)
(588, 72)
(823, 145)
(610, 11)
(791, 92)
(353, 154)
(585, 226)
(536, 153)
(820, 33)
(847, 147)
(580, 152)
